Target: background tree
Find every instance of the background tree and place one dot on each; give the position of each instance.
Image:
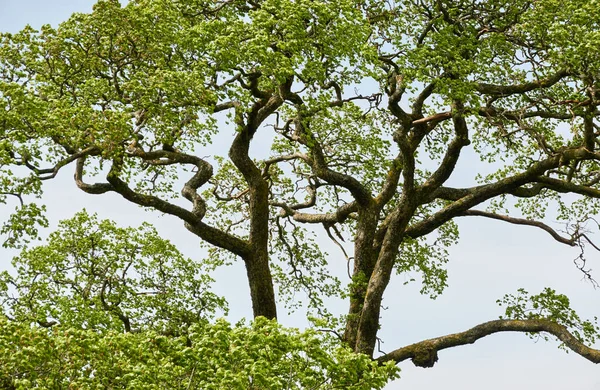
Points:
(132, 96)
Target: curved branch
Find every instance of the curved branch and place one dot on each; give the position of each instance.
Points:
(316, 159)
(460, 140)
(506, 90)
(571, 241)
(96, 188)
(424, 353)
(278, 159)
(321, 169)
(192, 221)
(257, 257)
(50, 173)
(204, 172)
(468, 198)
(360, 193)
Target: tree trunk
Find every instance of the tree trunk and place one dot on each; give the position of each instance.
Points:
(261, 284)
(364, 261)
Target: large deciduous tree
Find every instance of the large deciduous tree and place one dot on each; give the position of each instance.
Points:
(347, 116)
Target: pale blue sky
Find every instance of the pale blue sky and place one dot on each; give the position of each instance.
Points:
(491, 260)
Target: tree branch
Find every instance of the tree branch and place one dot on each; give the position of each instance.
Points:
(468, 198)
(424, 353)
(571, 241)
(391, 183)
(204, 172)
(96, 188)
(193, 223)
(460, 140)
(322, 170)
(566, 187)
(337, 216)
(50, 173)
(506, 90)
(257, 257)
(417, 107)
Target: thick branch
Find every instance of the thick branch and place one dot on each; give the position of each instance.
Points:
(257, 259)
(391, 183)
(566, 187)
(506, 90)
(192, 221)
(424, 353)
(489, 112)
(321, 169)
(474, 196)
(204, 172)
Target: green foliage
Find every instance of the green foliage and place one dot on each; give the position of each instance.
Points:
(22, 226)
(100, 305)
(552, 306)
(371, 103)
(427, 257)
(263, 355)
(94, 275)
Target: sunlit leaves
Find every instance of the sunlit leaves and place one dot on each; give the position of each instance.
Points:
(22, 226)
(427, 258)
(549, 305)
(329, 103)
(263, 355)
(94, 275)
(569, 30)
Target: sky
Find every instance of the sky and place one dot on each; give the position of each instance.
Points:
(492, 259)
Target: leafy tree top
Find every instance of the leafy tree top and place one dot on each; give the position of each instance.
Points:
(364, 108)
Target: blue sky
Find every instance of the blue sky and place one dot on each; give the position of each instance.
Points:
(492, 259)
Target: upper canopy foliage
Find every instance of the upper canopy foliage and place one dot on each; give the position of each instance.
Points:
(353, 115)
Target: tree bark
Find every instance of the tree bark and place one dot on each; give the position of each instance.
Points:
(261, 284)
(364, 261)
(424, 353)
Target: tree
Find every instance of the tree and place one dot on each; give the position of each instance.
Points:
(367, 107)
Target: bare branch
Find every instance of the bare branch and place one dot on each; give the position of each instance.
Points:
(571, 241)
(440, 116)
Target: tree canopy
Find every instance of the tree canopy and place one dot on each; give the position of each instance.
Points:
(344, 117)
